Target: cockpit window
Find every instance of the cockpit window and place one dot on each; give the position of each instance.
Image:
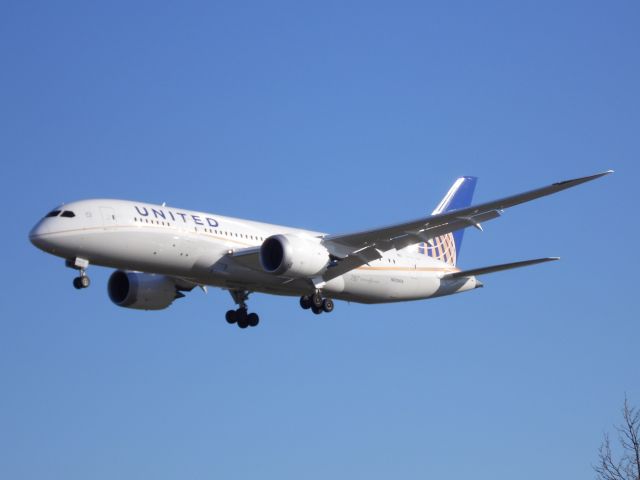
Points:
(53, 213)
(68, 214)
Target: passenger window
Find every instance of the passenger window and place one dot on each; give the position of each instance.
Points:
(68, 214)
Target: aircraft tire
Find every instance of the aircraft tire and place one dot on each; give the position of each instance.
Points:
(242, 318)
(230, 317)
(81, 282)
(316, 300)
(305, 302)
(316, 310)
(243, 323)
(327, 305)
(253, 319)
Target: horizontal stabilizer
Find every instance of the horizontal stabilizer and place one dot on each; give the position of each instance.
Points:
(499, 268)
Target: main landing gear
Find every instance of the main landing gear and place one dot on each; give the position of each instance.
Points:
(316, 303)
(80, 264)
(240, 316)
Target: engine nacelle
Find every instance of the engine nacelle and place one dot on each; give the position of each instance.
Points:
(293, 256)
(143, 291)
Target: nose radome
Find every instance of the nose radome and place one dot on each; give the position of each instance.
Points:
(36, 235)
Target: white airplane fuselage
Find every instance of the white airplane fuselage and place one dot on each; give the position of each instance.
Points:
(197, 247)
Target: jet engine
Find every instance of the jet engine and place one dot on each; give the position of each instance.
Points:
(293, 256)
(143, 291)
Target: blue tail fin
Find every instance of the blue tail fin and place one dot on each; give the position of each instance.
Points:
(459, 196)
(447, 247)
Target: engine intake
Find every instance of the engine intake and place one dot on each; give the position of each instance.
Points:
(144, 291)
(293, 256)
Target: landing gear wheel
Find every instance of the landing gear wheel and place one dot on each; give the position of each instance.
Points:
(230, 316)
(327, 305)
(305, 302)
(316, 310)
(81, 282)
(316, 300)
(242, 318)
(253, 319)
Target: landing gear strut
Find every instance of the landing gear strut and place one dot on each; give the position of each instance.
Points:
(316, 303)
(241, 316)
(80, 264)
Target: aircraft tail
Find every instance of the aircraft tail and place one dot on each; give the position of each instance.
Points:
(447, 247)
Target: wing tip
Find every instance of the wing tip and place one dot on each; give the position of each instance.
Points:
(579, 180)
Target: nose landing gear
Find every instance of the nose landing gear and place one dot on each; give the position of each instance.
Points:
(81, 264)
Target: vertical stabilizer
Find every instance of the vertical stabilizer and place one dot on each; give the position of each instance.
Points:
(447, 247)
(459, 196)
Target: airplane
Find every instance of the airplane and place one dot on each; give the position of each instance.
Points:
(159, 252)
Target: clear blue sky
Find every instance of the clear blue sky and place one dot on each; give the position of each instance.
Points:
(334, 116)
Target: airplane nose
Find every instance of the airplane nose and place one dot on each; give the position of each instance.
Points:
(37, 235)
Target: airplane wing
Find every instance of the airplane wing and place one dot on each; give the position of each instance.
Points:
(356, 249)
(353, 250)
